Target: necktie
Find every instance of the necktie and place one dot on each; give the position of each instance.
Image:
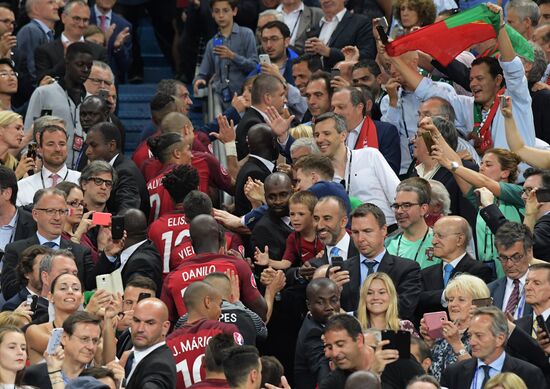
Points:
(513, 300)
(486, 370)
(534, 329)
(103, 22)
(129, 363)
(51, 245)
(447, 270)
(370, 266)
(334, 252)
(49, 34)
(55, 179)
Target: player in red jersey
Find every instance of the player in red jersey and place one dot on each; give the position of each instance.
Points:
(189, 342)
(214, 356)
(208, 241)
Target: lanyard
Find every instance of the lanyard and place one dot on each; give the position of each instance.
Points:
(42, 178)
(296, 23)
(418, 249)
(348, 182)
(409, 144)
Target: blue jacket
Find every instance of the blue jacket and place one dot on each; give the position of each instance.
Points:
(287, 74)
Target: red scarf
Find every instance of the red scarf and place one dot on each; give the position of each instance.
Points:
(481, 134)
(367, 135)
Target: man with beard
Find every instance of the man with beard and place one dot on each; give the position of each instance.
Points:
(310, 364)
(53, 149)
(273, 229)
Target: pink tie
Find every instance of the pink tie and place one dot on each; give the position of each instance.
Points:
(55, 179)
(102, 22)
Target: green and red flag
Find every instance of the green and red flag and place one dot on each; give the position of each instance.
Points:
(447, 38)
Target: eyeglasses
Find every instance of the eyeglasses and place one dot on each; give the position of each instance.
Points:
(404, 206)
(514, 258)
(53, 211)
(8, 21)
(100, 181)
(273, 39)
(8, 74)
(78, 19)
(76, 203)
(87, 340)
(100, 82)
(443, 236)
(526, 190)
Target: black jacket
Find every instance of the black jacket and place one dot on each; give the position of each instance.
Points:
(156, 371)
(250, 118)
(310, 364)
(130, 190)
(255, 169)
(25, 225)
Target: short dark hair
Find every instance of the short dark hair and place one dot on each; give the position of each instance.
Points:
(370, 209)
(238, 364)
(142, 282)
(109, 131)
(77, 48)
(8, 180)
(341, 204)
(369, 64)
(77, 318)
(263, 84)
(418, 185)
(168, 86)
(545, 178)
(50, 128)
(26, 262)
(272, 371)
(533, 171)
(325, 76)
(163, 145)
(98, 372)
(196, 203)
(67, 186)
(510, 233)
(424, 378)
(313, 62)
(215, 352)
(343, 321)
(161, 105)
(493, 65)
(447, 129)
(281, 26)
(232, 3)
(316, 163)
(180, 181)
(7, 61)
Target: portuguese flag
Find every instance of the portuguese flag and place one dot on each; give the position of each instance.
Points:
(446, 39)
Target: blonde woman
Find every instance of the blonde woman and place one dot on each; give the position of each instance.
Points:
(455, 344)
(13, 356)
(11, 139)
(505, 381)
(377, 307)
(301, 131)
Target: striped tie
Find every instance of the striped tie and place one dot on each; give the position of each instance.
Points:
(513, 300)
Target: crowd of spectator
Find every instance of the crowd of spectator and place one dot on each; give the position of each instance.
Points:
(353, 218)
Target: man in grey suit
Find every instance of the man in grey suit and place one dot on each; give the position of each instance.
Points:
(299, 18)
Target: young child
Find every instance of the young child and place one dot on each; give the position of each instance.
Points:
(302, 244)
(229, 56)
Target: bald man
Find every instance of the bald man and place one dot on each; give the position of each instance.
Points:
(451, 235)
(150, 365)
(363, 379)
(208, 240)
(188, 343)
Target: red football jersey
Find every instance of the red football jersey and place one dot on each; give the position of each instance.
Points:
(159, 198)
(167, 232)
(198, 267)
(211, 173)
(142, 152)
(212, 383)
(188, 343)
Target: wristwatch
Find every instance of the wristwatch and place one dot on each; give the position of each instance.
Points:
(461, 352)
(454, 166)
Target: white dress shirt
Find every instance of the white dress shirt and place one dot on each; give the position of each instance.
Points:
(343, 246)
(353, 135)
(292, 20)
(327, 28)
(140, 355)
(508, 292)
(28, 186)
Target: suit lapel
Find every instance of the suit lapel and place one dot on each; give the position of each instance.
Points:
(386, 265)
(339, 28)
(499, 292)
(305, 20)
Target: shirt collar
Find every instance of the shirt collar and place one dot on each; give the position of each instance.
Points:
(510, 282)
(268, 164)
(61, 173)
(13, 220)
(545, 314)
(127, 252)
(497, 363)
(297, 10)
(112, 161)
(377, 258)
(98, 12)
(338, 17)
(140, 354)
(261, 113)
(43, 240)
(454, 262)
(343, 245)
(67, 42)
(357, 129)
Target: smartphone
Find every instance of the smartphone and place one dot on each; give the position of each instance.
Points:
(399, 340)
(117, 227)
(338, 261)
(502, 101)
(542, 324)
(434, 322)
(217, 41)
(101, 219)
(311, 33)
(382, 34)
(32, 153)
(543, 195)
(32, 301)
(334, 72)
(486, 302)
(264, 59)
(383, 22)
(54, 341)
(143, 295)
(428, 140)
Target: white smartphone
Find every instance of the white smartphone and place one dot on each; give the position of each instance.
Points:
(55, 340)
(264, 59)
(112, 283)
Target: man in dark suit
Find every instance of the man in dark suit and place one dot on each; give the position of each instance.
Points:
(489, 332)
(450, 239)
(537, 294)
(119, 45)
(49, 212)
(17, 222)
(156, 368)
(351, 104)
(339, 28)
(308, 17)
(263, 151)
(368, 230)
(49, 58)
(310, 364)
(514, 243)
(138, 255)
(130, 189)
(78, 327)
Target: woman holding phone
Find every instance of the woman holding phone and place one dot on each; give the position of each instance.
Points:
(13, 356)
(455, 343)
(377, 307)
